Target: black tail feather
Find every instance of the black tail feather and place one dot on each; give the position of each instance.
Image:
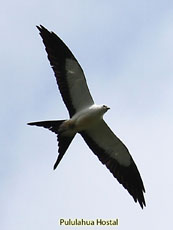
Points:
(63, 144)
(51, 125)
(63, 140)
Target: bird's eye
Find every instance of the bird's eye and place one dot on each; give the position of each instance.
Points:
(104, 106)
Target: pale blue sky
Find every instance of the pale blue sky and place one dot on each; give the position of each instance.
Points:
(126, 51)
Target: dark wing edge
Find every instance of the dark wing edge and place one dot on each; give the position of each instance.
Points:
(57, 53)
(129, 176)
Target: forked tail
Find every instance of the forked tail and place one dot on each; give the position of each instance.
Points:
(63, 140)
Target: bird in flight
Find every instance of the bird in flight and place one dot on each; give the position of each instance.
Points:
(86, 118)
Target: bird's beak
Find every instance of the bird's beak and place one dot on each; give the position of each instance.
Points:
(108, 108)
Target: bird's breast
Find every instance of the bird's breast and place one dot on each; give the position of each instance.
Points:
(86, 120)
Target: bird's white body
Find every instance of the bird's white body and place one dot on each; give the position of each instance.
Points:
(88, 117)
(83, 120)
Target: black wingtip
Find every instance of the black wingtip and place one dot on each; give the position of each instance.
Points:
(139, 197)
(142, 205)
(141, 200)
(41, 28)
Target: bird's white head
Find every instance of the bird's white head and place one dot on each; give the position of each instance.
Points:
(105, 108)
(99, 110)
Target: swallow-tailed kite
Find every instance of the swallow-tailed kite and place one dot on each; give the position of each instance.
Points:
(86, 118)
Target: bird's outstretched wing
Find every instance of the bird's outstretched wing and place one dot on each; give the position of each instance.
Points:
(69, 74)
(114, 154)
